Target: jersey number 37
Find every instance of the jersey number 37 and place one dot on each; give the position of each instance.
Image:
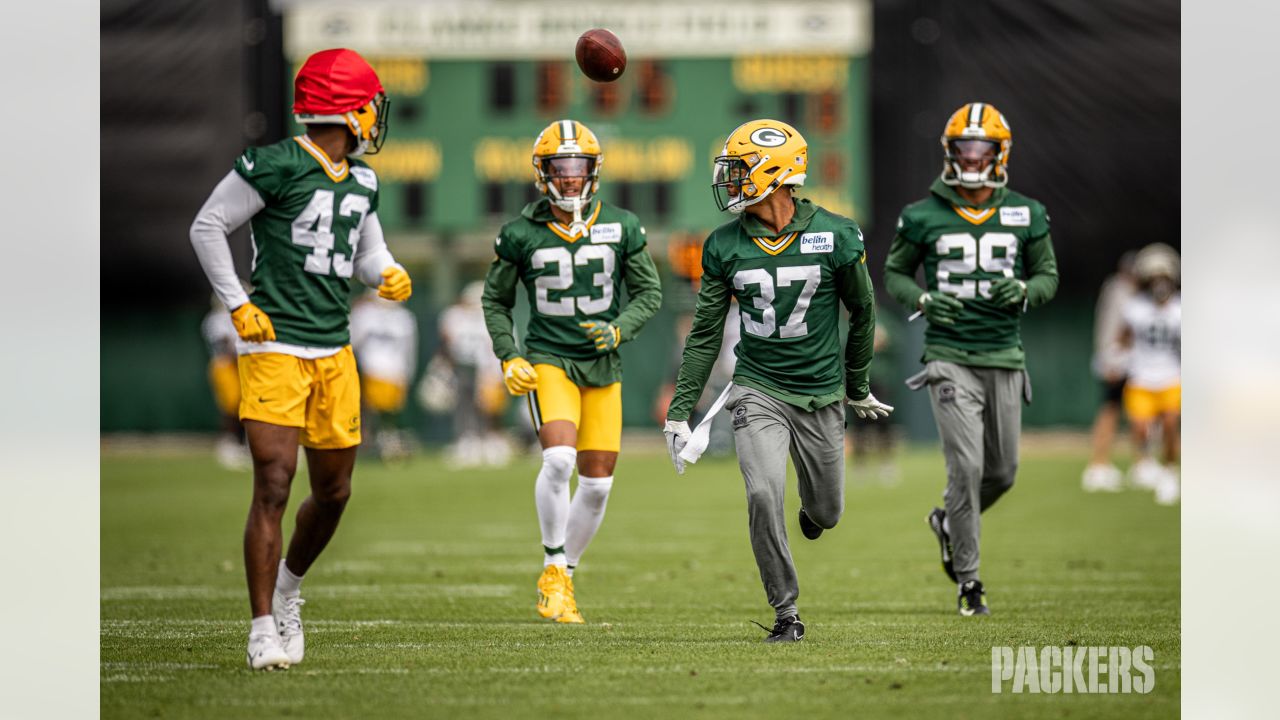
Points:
(809, 275)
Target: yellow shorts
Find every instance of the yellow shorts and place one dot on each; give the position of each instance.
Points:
(321, 396)
(595, 411)
(1145, 405)
(383, 396)
(225, 381)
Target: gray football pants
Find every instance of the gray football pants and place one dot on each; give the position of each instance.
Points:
(765, 430)
(979, 415)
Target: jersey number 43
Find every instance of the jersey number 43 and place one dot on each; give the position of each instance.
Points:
(313, 228)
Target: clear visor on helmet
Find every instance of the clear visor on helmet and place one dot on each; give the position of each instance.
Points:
(568, 176)
(974, 154)
(567, 167)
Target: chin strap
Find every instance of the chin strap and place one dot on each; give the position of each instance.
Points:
(578, 228)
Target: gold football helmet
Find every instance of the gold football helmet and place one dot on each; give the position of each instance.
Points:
(1157, 260)
(567, 149)
(976, 130)
(758, 157)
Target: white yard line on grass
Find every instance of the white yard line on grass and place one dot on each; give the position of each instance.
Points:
(209, 592)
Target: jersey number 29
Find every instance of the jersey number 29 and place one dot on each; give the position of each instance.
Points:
(974, 253)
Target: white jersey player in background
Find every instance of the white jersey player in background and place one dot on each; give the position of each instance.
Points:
(465, 378)
(384, 336)
(1152, 331)
(1110, 365)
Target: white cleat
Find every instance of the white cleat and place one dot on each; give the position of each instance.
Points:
(1145, 474)
(266, 652)
(287, 612)
(1101, 478)
(1169, 487)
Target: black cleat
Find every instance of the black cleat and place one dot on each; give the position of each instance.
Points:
(810, 528)
(788, 629)
(944, 541)
(973, 599)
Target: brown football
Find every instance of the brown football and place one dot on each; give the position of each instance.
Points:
(600, 55)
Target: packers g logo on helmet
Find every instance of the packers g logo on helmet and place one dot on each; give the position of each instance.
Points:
(758, 157)
(337, 87)
(768, 137)
(983, 123)
(567, 139)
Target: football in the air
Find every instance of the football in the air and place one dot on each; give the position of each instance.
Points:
(600, 55)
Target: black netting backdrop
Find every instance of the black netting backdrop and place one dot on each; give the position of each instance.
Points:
(183, 85)
(1091, 91)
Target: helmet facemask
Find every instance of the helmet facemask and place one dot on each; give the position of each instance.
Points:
(963, 155)
(577, 172)
(570, 183)
(731, 182)
(369, 125)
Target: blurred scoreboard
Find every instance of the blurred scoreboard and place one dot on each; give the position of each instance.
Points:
(471, 85)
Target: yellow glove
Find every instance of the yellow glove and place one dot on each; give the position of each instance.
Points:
(519, 376)
(606, 336)
(252, 324)
(395, 284)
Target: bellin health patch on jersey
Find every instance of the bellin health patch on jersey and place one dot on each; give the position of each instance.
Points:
(606, 233)
(1015, 216)
(365, 177)
(821, 242)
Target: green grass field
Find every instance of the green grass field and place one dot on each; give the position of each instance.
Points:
(423, 604)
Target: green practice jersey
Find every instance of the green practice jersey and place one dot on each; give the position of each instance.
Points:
(305, 239)
(963, 250)
(571, 280)
(789, 287)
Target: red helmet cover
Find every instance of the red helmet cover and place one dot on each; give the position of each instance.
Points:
(332, 82)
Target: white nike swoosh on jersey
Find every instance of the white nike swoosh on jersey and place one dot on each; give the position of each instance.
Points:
(248, 164)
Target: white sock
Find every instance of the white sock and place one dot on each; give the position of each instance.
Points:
(585, 514)
(263, 625)
(551, 495)
(946, 524)
(286, 582)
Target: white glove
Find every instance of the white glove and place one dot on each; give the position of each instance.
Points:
(869, 408)
(678, 434)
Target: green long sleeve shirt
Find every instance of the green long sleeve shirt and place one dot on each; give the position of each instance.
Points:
(567, 282)
(789, 286)
(963, 249)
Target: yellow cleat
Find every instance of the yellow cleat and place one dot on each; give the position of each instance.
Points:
(570, 613)
(552, 591)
